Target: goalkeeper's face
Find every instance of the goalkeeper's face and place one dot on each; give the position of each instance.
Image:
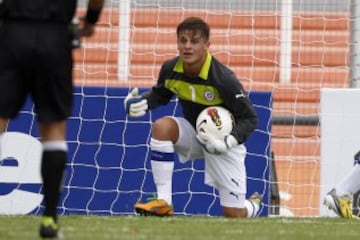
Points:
(193, 47)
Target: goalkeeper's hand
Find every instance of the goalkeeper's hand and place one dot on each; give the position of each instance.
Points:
(135, 105)
(216, 146)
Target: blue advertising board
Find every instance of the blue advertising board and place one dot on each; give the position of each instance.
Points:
(108, 166)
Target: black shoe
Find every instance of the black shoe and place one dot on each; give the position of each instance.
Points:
(49, 228)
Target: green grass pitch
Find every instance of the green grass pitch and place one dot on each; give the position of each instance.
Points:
(183, 227)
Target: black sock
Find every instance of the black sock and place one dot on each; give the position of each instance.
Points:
(52, 171)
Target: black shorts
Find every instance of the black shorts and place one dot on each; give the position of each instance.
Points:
(36, 60)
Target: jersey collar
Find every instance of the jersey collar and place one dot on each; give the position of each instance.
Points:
(204, 73)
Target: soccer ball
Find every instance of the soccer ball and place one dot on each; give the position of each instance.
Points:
(215, 121)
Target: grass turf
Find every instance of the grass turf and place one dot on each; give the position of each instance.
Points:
(183, 227)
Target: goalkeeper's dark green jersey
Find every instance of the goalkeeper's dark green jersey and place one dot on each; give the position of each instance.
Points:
(216, 84)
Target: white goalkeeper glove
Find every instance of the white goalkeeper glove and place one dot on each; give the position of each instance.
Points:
(135, 105)
(216, 146)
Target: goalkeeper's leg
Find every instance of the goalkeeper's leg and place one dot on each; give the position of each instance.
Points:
(227, 173)
(162, 164)
(234, 205)
(164, 133)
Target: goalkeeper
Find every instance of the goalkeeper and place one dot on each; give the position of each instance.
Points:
(36, 59)
(198, 80)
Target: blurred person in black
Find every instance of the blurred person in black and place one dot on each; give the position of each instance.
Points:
(36, 59)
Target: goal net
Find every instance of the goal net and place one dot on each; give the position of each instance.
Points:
(288, 49)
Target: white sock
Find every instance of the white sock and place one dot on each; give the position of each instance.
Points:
(350, 184)
(162, 173)
(58, 145)
(252, 208)
(163, 170)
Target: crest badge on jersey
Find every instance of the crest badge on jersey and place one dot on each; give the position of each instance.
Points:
(209, 96)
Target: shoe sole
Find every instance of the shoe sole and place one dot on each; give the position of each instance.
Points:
(145, 213)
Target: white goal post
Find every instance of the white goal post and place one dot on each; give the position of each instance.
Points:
(124, 40)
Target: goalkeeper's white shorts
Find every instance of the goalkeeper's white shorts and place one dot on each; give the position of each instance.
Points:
(226, 172)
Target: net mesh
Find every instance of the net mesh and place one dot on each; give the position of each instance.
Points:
(246, 36)
(133, 38)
